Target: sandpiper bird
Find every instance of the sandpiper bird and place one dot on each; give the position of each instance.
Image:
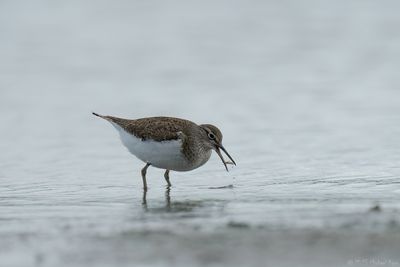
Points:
(169, 143)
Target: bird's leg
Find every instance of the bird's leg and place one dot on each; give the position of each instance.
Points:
(166, 176)
(144, 199)
(144, 170)
(168, 198)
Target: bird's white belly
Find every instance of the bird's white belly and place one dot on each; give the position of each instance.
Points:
(164, 154)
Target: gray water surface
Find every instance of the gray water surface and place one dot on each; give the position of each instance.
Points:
(305, 92)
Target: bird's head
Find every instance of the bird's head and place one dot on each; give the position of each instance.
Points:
(213, 140)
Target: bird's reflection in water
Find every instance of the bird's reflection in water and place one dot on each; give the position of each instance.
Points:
(167, 199)
(170, 206)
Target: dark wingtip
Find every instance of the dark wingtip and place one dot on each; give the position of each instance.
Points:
(98, 115)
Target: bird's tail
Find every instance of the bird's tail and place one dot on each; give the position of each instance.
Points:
(101, 116)
(118, 123)
(98, 115)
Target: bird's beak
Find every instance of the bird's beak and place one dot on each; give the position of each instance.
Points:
(217, 149)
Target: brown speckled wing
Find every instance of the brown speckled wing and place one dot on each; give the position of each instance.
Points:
(155, 128)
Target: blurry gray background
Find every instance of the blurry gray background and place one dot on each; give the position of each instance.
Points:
(305, 92)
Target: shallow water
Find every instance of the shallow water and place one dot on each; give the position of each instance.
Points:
(306, 94)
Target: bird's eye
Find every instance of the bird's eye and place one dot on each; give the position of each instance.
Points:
(211, 136)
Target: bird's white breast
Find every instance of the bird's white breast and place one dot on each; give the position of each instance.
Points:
(164, 154)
